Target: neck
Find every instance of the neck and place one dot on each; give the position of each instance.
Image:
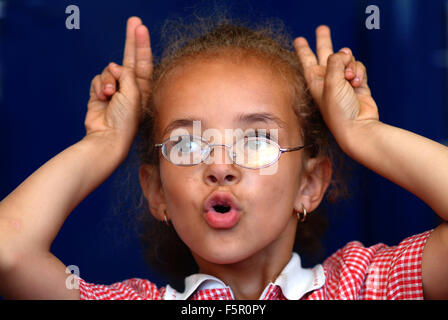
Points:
(249, 277)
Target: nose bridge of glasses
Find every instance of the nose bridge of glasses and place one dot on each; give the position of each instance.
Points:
(214, 157)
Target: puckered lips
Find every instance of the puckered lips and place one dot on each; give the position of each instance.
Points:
(222, 210)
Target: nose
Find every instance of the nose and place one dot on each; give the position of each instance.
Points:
(221, 172)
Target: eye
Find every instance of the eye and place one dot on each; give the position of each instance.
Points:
(186, 145)
(256, 144)
(260, 133)
(253, 141)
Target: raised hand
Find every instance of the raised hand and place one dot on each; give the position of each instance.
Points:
(338, 84)
(118, 95)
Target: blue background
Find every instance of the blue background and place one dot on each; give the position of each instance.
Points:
(45, 74)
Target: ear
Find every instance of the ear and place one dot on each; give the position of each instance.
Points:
(152, 189)
(315, 181)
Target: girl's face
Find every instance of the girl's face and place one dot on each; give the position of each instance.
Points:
(225, 95)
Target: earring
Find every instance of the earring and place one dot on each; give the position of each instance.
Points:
(166, 219)
(161, 211)
(302, 215)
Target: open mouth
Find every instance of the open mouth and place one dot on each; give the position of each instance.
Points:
(222, 211)
(221, 208)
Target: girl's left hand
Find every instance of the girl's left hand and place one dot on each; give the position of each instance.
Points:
(338, 85)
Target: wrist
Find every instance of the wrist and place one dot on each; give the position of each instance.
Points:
(115, 145)
(355, 137)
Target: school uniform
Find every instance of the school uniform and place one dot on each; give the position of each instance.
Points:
(353, 272)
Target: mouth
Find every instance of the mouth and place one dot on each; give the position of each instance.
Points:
(222, 211)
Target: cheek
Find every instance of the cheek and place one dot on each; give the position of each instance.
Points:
(275, 197)
(180, 185)
(282, 185)
(271, 196)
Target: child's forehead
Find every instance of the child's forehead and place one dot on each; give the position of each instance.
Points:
(222, 90)
(222, 78)
(219, 107)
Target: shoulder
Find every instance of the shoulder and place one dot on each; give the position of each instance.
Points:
(130, 289)
(376, 272)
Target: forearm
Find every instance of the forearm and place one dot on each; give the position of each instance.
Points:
(32, 215)
(416, 163)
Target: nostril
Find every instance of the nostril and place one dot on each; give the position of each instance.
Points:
(228, 178)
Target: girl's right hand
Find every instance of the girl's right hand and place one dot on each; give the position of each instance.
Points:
(117, 96)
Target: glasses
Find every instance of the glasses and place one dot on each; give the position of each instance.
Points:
(255, 152)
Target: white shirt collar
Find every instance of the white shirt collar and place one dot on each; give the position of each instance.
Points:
(294, 281)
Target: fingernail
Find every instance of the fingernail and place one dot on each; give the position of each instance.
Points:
(109, 87)
(346, 51)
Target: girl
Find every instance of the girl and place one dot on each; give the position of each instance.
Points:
(237, 217)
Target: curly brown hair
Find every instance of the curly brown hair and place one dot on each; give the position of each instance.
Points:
(209, 37)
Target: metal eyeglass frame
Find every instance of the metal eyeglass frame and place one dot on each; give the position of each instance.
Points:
(230, 147)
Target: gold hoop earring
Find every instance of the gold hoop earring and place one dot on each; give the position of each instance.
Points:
(302, 215)
(161, 211)
(166, 219)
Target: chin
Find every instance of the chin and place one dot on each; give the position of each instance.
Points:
(224, 258)
(224, 254)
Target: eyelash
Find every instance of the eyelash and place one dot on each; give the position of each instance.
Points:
(261, 133)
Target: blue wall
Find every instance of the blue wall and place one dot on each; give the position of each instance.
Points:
(45, 77)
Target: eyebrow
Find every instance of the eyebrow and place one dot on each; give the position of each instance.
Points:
(261, 117)
(179, 123)
(246, 118)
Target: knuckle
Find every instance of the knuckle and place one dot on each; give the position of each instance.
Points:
(105, 70)
(128, 70)
(96, 80)
(335, 57)
(106, 74)
(362, 66)
(325, 46)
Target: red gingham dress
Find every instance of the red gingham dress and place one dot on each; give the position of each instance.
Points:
(353, 272)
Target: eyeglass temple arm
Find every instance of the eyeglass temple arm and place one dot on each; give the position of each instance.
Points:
(295, 149)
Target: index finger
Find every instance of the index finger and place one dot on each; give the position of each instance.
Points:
(306, 55)
(129, 47)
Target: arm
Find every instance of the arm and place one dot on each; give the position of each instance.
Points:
(32, 215)
(338, 83)
(416, 163)
(419, 165)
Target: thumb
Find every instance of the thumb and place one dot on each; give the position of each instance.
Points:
(115, 70)
(337, 64)
(126, 80)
